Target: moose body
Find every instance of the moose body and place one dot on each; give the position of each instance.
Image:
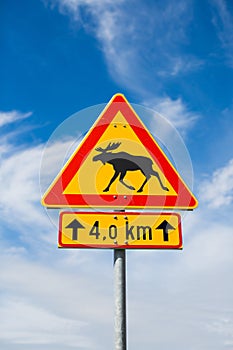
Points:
(123, 162)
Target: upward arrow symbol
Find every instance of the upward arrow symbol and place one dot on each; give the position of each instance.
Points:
(165, 226)
(75, 225)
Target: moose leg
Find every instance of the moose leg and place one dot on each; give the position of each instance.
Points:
(122, 181)
(155, 173)
(111, 181)
(147, 178)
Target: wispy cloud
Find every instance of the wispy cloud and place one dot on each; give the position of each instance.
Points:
(24, 173)
(18, 172)
(189, 284)
(37, 309)
(12, 116)
(218, 191)
(19, 177)
(18, 327)
(175, 111)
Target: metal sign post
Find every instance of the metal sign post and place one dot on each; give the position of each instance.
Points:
(120, 298)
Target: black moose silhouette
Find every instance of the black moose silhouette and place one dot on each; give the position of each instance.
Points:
(123, 162)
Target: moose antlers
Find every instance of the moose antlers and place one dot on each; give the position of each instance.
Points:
(110, 147)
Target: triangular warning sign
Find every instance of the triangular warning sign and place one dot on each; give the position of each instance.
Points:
(119, 164)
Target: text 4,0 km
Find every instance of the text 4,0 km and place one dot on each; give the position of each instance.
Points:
(132, 232)
(115, 230)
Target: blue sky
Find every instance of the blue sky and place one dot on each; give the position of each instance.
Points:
(58, 57)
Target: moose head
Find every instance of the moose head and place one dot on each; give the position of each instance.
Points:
(105, 152)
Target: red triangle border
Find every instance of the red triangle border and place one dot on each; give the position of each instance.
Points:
(55, 198)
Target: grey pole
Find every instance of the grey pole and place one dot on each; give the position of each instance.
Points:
(120, 298)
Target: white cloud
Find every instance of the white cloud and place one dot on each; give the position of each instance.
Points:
(175, 111)
(193, 284)
(23, 176)
(12, 116)
(218, 191)
(43, 303)
(19, 177)
(21, 211)
(23, 323)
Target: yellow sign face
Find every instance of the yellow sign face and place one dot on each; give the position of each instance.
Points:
(120, 230)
